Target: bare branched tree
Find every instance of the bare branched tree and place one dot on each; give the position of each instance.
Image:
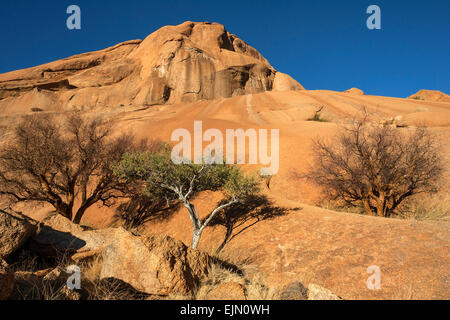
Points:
(59, 164)
(377, 167)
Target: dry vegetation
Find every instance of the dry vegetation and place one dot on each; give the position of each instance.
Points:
(238, 269)
(377, 168)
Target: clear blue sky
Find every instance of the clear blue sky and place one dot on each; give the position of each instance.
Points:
(322, 44)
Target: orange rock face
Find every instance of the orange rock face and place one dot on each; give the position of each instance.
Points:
(431, 95)
(355, 91)
(184, 63)
(227, 291)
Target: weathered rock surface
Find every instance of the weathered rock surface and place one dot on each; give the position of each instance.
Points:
(156, 264)
(184, 63)
(15, 229)
(335, 250)
(316, 292)
(59, 235)
(227, 291)
(431, 95)
(7, 281)
(294, 291)
(48, 284)
(355, 91)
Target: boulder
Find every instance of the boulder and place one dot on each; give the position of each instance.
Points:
(355, 91)
(49, 284)
(15, 229)
(295, 291)
(316, 292)
(227, 291)
(7, 281)
(284, 82)
(60, 235)
(157, 264)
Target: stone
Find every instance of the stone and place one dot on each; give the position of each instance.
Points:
(157, 264)
(355, 91)
(15, 229)
(295, 291)
(316, 292)
(227, 291)
(7, 281)
(59, 235)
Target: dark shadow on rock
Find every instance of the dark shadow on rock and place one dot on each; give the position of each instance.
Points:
(242, 216)
(50, 242)
(142, 209)
(115, 289)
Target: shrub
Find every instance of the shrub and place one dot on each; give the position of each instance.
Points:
(181, 182)
(53, 163)
(377, 167)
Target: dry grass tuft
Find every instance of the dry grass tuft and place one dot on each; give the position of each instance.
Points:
(435, 207)
(236, 268)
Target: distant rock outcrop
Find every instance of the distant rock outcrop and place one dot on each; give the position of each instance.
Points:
(431, 95)
(184, 63)
(354, 91)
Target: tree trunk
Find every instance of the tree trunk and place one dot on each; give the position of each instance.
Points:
(381, 204)
(63, 209)
(196, 234)
(367, 207)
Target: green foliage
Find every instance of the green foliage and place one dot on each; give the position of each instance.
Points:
(165, 179)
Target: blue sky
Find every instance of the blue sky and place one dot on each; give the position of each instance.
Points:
(322, 44)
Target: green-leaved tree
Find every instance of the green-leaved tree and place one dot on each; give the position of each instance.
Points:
(181, 182)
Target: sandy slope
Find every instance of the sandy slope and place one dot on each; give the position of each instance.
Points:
(307, 243)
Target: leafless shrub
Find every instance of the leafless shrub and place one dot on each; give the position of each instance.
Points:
(377, 167)
(53, 163)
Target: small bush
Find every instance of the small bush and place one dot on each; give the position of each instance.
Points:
(318, 116)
